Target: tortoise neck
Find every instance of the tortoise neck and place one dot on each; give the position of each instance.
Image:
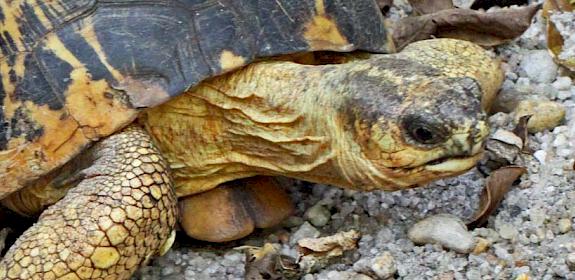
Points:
(270, 118)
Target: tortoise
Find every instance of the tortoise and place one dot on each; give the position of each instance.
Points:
(107, 105)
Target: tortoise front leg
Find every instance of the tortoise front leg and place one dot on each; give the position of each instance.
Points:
(121, 214)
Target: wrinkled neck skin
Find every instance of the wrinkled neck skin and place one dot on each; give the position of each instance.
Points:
(270, 118)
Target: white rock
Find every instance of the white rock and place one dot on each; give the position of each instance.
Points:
(318, 215)
(564, 225)
(537, 217)
(539, 66)
(384, 266)
(570, 261)
(346, 275)
(507, 137)
(545, 115)
(562, 83)
(560, 140)
(540, 155)
(507, 231)
(306, 230)
(446, 230)
(523, 84)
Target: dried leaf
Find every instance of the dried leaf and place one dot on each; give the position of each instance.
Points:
(498, 184)
(484, 28)
(555, 42)
(486, 4)
(423, 7)
(557, 5)
(316, 253)
(267, 263)
(521, 131)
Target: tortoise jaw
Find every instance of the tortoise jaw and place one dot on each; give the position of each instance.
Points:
(454, 164)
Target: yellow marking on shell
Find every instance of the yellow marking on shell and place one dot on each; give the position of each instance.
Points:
(12, 12)
(54, 44)
(323, 33)
(105, 257)
(86, 98)
(229, 60)
(319, 7)
(89, 34)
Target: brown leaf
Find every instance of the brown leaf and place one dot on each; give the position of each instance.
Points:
(267, 263)
(498, 184)
(316, 253)
(483, 28)
(521, 131)
(423, 7)
(486, 4)
(555, 40)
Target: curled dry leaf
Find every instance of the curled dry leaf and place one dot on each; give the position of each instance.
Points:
(521, 131)
(317, 252)
(489, 28)
(486, 4)
(555, 40)
(267, 263)
(423, 7)
(498, 184)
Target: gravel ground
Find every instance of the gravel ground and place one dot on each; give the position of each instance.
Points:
(530, 236)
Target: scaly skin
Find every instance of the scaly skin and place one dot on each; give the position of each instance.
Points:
(120, 215)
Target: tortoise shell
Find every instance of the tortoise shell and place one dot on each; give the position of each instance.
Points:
(74, 71)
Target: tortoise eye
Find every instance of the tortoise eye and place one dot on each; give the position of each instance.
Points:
(423, 132)
(422, 135)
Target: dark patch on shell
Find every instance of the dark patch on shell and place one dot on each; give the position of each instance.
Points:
(3, 122)
(39, 88)
(22, 125)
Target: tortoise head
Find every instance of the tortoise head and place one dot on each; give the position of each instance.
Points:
(410, 128)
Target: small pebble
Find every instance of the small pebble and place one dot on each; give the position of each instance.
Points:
(318, 215)
(306, 230)
(562, 83)
(539, 66)
(546, 115)
(384, 266)
(507, 231)
(570, 261)
(345, 275)
(522, 276)
(541, 156)
(446, 230)
(564, 225)
(473, 274)
(481, 245)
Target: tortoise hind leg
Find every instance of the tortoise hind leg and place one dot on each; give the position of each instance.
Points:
(121, 214)
(234, 209)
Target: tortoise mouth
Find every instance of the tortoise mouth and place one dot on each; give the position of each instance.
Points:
(453, 164)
